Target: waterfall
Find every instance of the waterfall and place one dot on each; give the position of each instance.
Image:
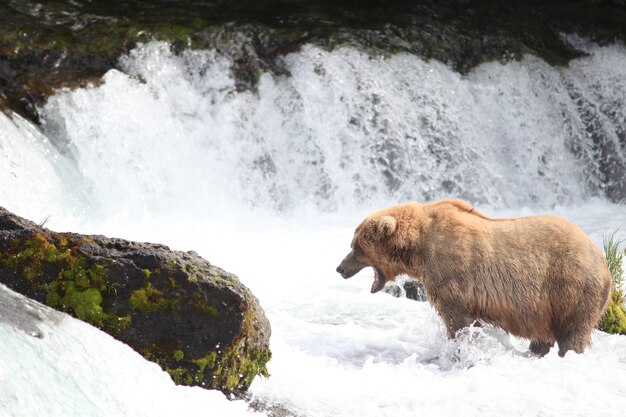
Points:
(342, 129)
(171, 148)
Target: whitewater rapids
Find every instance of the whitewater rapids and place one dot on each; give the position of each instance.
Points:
(270, 184)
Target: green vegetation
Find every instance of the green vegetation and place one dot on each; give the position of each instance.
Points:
(179, 355)
(201, 307)
(146, 274)
(614, 320)
(150, 300)
(227, 368)
(68, 280)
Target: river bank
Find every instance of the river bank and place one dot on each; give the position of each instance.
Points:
(56, 44)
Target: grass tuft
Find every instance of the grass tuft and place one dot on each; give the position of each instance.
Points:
(614, 320)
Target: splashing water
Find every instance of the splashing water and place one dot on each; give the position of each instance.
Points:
(72, 369)
(344, 129)
(269, 185)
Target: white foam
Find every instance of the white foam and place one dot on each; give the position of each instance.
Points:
(30, 177)
(343, 129)
(74, 369)
(270, 185)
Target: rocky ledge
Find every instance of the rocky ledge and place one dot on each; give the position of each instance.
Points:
(49, 45)
(197, 321)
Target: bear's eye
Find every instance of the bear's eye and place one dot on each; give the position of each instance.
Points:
(357, 250)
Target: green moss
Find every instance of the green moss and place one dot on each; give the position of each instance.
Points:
(52, 298)
(228, 371)
(29, 256)
(234, 367)
(115, 325)
(146, 274)
(150, 300)
(236, 370)
(200, 306)
(192, 273)
(85, 304)
(171, 358)
(171, 283)
(178, 355)
(206, 362)
(171, 265)
(180, 376)
(230, 368)
(256, 363)
(70, 281)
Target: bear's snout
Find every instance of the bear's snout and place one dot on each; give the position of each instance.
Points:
(341, 271)
(345, 274)
(350, 266)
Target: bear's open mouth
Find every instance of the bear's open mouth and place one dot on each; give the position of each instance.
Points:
(379, 281)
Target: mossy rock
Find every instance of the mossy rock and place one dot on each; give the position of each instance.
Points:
(198, 322)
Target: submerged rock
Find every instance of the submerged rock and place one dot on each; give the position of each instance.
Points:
(405, 287)
(197, 321)
(414, 290)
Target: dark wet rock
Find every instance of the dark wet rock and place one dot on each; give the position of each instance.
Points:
(407, 288)
(68, 43)
(392, 288)
(414, 290)
(197, 321)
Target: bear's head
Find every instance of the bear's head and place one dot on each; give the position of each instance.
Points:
(385, 241)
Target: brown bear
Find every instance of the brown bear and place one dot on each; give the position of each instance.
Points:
(537, 277)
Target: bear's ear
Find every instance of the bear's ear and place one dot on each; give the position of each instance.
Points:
(384, 227)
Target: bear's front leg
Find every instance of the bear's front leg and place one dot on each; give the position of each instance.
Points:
(455, 318)
(541, 348)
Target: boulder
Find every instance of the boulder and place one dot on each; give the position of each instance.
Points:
(405, 287)
(414, 290)
(197, 321)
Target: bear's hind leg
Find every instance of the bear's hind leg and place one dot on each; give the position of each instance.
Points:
(573, 332)
(540, 348)
(576, 342)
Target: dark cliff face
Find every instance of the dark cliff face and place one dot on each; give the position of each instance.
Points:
(197, 321)
(48, 45)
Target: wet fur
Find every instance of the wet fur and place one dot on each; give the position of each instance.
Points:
(536, 277)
